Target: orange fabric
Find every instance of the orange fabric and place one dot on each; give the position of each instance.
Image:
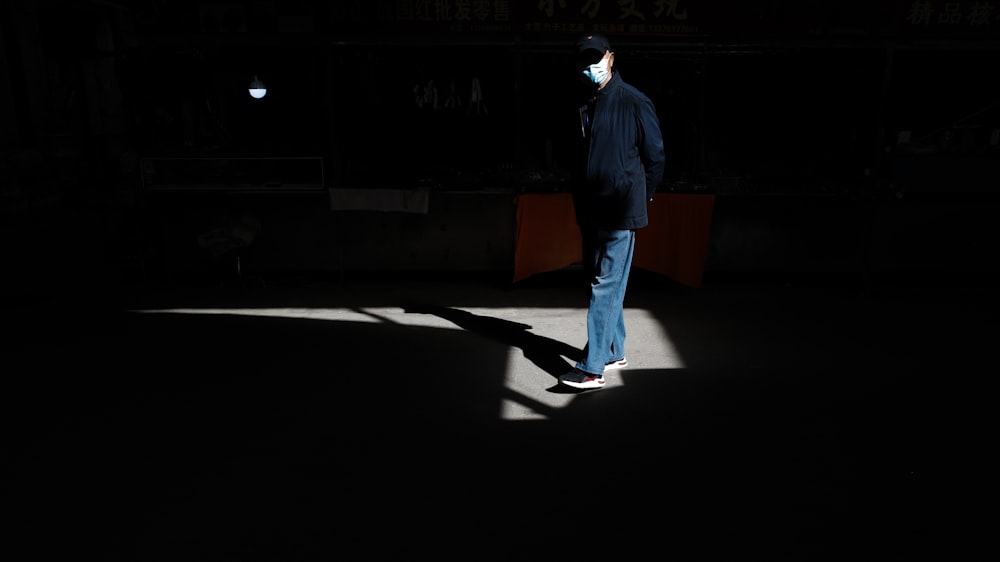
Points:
(547, 237)
(675, 243)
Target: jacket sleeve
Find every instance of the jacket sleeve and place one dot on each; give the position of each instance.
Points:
(651, 147)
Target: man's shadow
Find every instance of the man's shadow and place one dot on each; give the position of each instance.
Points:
(548, 354)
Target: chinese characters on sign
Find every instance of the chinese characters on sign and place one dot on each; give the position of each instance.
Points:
(455, 15)
(926, 13)
(678, 17)
(566, 16)
(952, 15)
(619, 17)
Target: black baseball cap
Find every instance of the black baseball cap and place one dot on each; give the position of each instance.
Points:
(592, 42)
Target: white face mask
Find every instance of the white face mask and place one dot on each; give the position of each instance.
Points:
(598, 71)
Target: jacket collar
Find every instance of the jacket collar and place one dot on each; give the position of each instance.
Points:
(612, 84)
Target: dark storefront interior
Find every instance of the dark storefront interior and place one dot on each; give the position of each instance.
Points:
(848, 120)
(853, 122)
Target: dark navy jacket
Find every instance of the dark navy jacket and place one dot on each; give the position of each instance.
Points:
(624, 159)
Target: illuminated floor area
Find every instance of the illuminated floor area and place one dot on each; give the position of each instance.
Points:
(389, 419)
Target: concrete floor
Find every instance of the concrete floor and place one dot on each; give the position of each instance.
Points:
(387, 418)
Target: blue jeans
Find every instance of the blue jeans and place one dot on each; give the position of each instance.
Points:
(607, 259)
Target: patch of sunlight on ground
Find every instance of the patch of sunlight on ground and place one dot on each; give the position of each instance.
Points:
(526, 395)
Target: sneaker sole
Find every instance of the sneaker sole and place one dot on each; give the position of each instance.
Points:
(614, 366)
(583, 385)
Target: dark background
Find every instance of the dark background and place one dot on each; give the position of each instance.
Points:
(847, 141)
(885, 112)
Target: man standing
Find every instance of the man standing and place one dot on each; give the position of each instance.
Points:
(624, 164)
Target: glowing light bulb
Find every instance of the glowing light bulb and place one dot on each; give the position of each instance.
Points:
(257, 88)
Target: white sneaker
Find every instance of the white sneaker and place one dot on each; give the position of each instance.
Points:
(620, 364)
